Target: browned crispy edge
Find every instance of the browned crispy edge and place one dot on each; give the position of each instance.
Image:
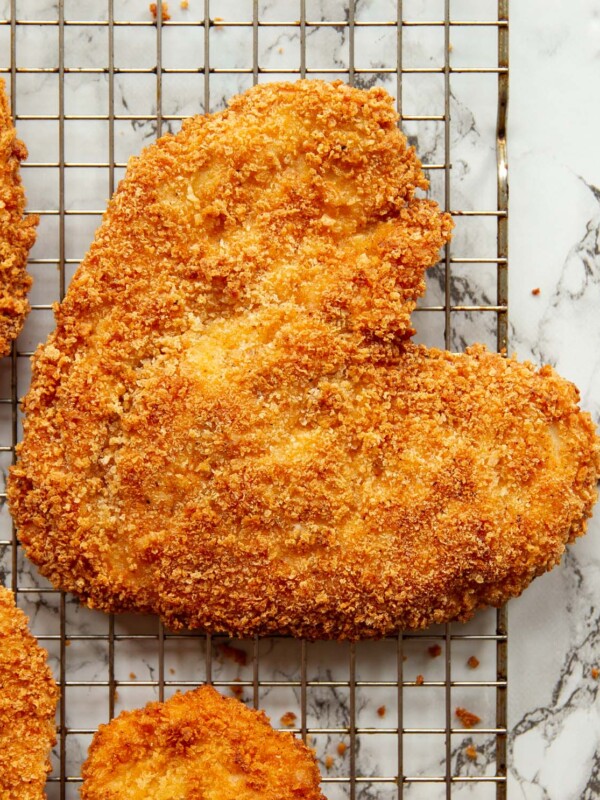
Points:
(17, 232)
(28, 699)
(201, 715)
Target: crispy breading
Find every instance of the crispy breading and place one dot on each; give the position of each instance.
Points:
(197, 744)
(28, 698)
(228, 426)
(17, 232)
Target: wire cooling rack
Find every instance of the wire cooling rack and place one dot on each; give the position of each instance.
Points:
(90, 83)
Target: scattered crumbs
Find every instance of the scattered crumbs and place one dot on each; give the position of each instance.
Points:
(467, 718)
(420, 680)
(450, 47)
(236, 689)
(67, 643)
(328, 762)
(595, 673)
(473, 662)
(280, 50)
(536, 291)
(310, 740)
(216, 20)
(381, 711)
(171, 671)
(288, 719)
(341, 748)
(165, 11)
(116, 695)
(435, 650)
(471, 752)
(132, 676)
(184, 5)
(235, 654)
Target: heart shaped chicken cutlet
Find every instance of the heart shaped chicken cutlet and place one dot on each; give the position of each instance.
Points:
(229, 426)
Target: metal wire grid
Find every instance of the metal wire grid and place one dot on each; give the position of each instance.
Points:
(356, 784)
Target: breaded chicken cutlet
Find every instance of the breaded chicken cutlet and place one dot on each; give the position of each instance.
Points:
(28, 698)
(229, 427)
(197, 745)
(17, 232)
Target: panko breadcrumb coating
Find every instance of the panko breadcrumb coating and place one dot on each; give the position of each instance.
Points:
(28, 698)
(17, 233)
(228, 426)
(197, 745)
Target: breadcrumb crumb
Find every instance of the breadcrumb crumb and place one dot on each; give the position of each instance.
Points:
(165, 11)
(435, 650)
(288, 719)
(132, 676)
(595, 673)
(341, 748)
(467, 718)
(381, 711)
(329, 762)
(184, 5)
(535, 291)
(471, 752)
(473, 662)
(420, 680)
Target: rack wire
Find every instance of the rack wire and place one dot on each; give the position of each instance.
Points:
(381, 716)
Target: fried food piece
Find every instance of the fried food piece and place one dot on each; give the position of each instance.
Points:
(228, 426)
(467, 718)
(275, 495)
(197, 744)
(28, 698)
(17, 233)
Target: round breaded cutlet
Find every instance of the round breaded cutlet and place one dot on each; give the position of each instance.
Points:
(17, 232)
(228, 426)
(198, 745)
(28, 698)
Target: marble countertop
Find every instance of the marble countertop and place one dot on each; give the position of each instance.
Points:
(554, 176)
(554, 706)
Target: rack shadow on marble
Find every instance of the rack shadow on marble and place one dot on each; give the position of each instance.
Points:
(352, 687)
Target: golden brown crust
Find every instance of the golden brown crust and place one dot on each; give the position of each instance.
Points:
(228, 427)
(197, 744)
(17, 233)
(28, 698)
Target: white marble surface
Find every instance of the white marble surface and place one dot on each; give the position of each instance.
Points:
(554, 242)
(555, 245)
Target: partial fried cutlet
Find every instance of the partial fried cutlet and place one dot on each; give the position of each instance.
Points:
(198, 745)
(17, 232)
(28, 698)
(229, 427)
